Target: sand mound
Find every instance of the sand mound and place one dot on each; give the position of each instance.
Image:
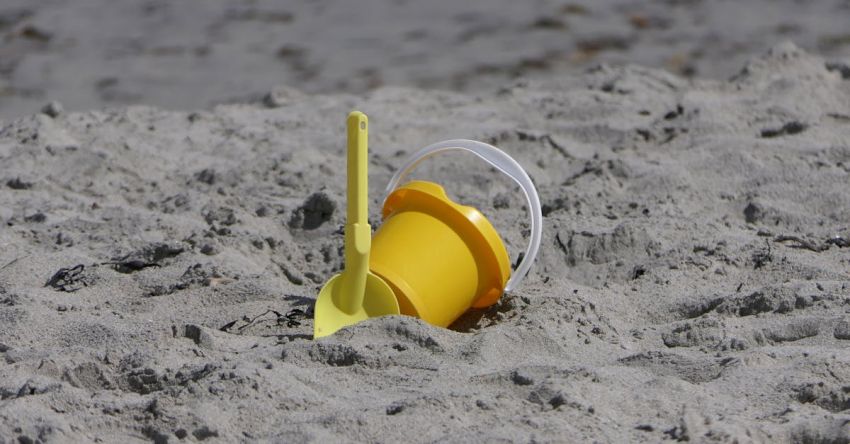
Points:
(157, 268)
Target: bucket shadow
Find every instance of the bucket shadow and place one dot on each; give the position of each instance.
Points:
(478, 318)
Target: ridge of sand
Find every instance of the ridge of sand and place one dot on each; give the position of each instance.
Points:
(693, 280)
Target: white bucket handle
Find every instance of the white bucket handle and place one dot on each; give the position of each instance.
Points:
(502, 162)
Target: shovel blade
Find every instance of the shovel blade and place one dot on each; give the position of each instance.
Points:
(379, 300)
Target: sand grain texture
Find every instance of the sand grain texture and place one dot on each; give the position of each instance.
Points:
(157, 268)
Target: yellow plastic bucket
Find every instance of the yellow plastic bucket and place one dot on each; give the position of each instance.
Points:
(439, 257)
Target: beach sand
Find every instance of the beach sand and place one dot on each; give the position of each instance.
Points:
(190, 54)
(158, 268)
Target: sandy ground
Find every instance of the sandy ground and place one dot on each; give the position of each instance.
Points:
(157, 268)
(189, 54)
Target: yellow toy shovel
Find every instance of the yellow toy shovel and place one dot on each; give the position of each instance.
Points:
(356, 294)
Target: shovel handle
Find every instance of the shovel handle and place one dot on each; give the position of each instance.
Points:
(358, 233)
(358, 185)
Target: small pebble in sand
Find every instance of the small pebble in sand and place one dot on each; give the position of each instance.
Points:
(53, 109)
(36, 218)
(209, 249)
(18, 184)
(753, 212)
(842, 330)
(282, 96)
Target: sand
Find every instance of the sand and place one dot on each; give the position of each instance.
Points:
(158, 268)
(189, 54)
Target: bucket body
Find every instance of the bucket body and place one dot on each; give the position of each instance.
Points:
(439, 257)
